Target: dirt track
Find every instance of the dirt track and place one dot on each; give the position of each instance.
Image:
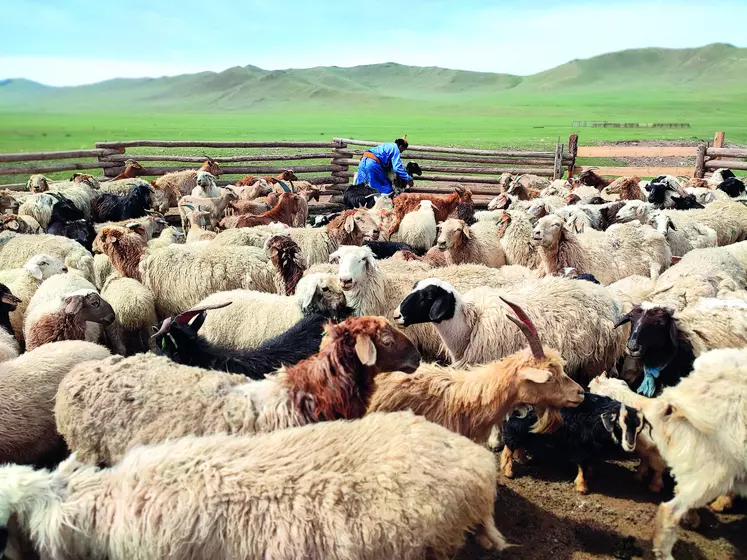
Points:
(540, 510)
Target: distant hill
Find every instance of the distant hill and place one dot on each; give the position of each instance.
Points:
(713, 68)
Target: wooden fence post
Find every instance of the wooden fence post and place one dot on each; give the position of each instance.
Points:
(573, 148)
(718, 141)
(700, 161)
(557, 170)
(340, 174)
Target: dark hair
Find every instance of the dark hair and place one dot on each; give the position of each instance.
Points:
(402, 143)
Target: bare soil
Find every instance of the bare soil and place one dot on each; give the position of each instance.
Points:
(670, 161)
(541, 511)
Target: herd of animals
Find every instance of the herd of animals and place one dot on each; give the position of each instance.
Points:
(259, 384)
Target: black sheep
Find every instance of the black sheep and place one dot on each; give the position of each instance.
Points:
(359, 196)
(8, 303)
(658, 189)
(179, 340)
(595, 429)
(385, 249)
(110, 207)
(68, 221)
(732, 186)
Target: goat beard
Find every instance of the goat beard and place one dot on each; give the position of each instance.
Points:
(548, 420)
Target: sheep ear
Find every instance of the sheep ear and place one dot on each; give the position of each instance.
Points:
(440, 310)
(73, 305)
(36, 272)
(366, 350)
(536, 375)
(467, 232)
(671, 225)
(609, 419)
(349, 224)
(603, 375)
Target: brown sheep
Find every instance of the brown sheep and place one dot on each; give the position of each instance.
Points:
(627, 188)
(124, 248)
(169, 188)
(443, 205)
(286, 212)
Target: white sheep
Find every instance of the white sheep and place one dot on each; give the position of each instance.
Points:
(16, 250)
(23, 283)
(727, 217)
(8, 346)
(168, 236)
(134, 314)
(419, 489)
(620, 251)
(700, 428)
(27, 429)
(685, 238)
(418, 229)
(479, 244)
(576, 318)
(206, 187)
(516, 236)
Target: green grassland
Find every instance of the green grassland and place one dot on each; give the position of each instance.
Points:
(706, 87)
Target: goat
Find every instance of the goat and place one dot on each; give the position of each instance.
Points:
(132, 169)
(287, 257)
(359, 196)
(443, 205)
(286, 212)
(399, 185)
(733, 187)
(109, 207)
(215, 206)
(591, 179)
(197, 225)
(387, 249)
(124, 249)
(68, 221)
(598, 426)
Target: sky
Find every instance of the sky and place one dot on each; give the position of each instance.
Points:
(72, 42)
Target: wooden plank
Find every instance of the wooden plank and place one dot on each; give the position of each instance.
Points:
(466, 179)
(70, 166)
(573, 148)
(700, 161)
(635, 151)
(453, 168)
(224, 159)
(210, 144)
(464, 151)
(241, 169)
(728, 163)
(639, 171)
(422, 156)
(37, 156)
(718, 140)
(728, 152)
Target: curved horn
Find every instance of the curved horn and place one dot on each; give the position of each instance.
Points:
(591, 168)
(187, 316)
(527, 327)
(165, 326)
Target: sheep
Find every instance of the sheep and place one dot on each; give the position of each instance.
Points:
(645, 447)
(700, 428)
(101, 418)
(15, 251)
(23, 283)
(352, 227)
(381, 202)
(596, 428)
(181, 342)
(666, 191)
(478, 245)
(727, 217)
(8, 203)
(168, 236)
(471, 402)
(215, 206)
(134, 314)
(8, 344)
(124, 249)
(667, 342)
(254, 317)
(532, 182)
(20, 224)
(69, 322)
(475, 327)
(30, 382)
(516, 237)
(591, 179)
(621, 251)
(733, 187)
(443, 205)
(438, 487)
(206, 187)
(180, 278)
(80, 194)
(418, 228)
(169, 188)
(720, 175)
(627, 188)
(288, 211)
(387, 249)
(149, 226)
(112, 207)
(39, 183)
(67, 221)
(681, 242)
(38, 207)
(359, 196)
(705, 195)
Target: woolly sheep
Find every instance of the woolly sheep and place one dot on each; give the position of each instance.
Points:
(254, 317)
(105, 408)
(576, 318)
(418, 229)
(700, 428)
(438, 488)
(134, 314)
(16, 250)
(27, 428)
(516, 237)
(24, 282)
(168, 236)
(479, 244)
(682, 241)
(727, 217)
(622, 250)
(123, 186)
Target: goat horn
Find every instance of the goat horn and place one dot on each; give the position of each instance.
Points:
(186, 316)
(591, 168)
(527, 327)
(165, 326)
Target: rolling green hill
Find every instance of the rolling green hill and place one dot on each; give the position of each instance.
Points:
(718, 69)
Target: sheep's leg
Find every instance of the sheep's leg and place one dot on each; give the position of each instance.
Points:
(489, 537)
(520, 456)
(580, 482)
(723, 502)
(507, 462)
(495, 440)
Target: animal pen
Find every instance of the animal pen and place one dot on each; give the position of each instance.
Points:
(332, 163)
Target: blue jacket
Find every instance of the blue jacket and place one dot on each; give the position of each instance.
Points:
(389, 158)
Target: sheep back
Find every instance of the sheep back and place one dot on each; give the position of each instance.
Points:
(16, 250)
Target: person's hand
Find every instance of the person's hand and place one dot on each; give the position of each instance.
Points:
(410, 183)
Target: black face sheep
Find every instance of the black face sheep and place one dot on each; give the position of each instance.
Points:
(359, 196)
(595, 428)
(109, 207)
(386, 249)
(733, 187)
(8, 344)
(179, 340)
(68, 221)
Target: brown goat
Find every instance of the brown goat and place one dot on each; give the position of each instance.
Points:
(69, 322)
(286, 256)
(255, 207)
(591, 179)
(627, 188)
(171, 187)
(132, 169)
(286, 175)
(470, 402)
(85, 178)
(285, 213)
(523, 192)
(443, 205)
(124, 249)
(338, 382)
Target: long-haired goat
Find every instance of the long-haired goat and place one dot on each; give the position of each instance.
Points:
(68, 221)
(443, 205)
(287, 257)
(109, 207)
(285, 212)
(591, 179)
(102, 411)
(124, 249)
(471, 402)
(131, 170)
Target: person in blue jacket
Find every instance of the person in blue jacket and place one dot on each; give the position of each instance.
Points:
(377, 162)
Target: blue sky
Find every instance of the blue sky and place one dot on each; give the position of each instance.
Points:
(69, 42)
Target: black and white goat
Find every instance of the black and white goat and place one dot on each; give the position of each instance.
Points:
(732, 186)
(594, 430)
(69, 221)
(665, 192)
(110, 207)
(178, 339)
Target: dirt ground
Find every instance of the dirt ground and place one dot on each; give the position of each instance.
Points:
(541, 511)
(670, 161)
